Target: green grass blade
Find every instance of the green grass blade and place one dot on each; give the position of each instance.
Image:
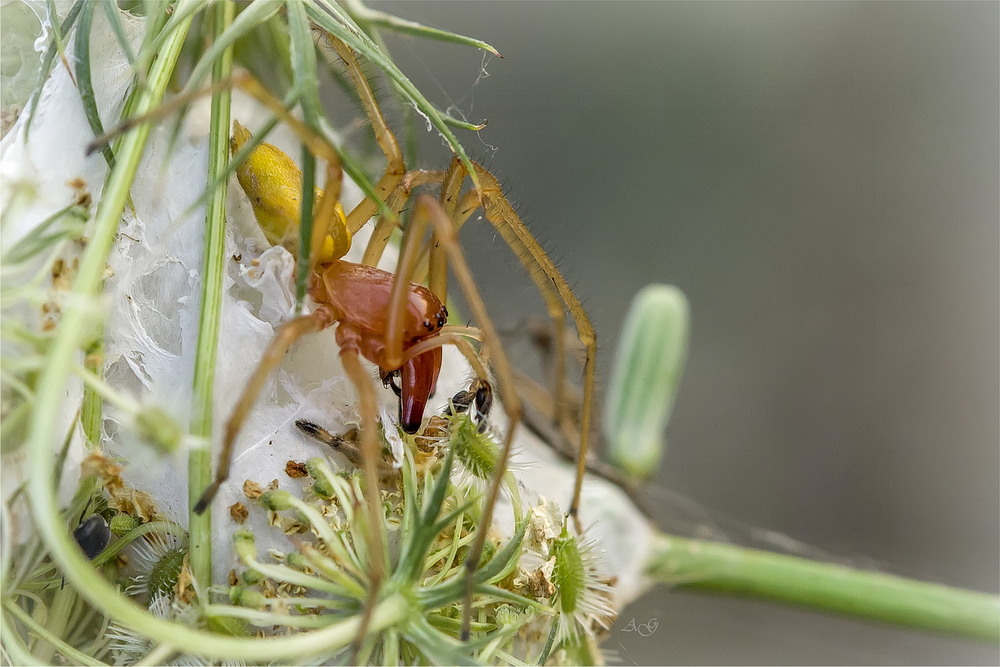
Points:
(332, 18)
(83, 79)
(40, 240)
(250, 18)
(200, 460)
(411, 561)
(114, 17)
(166, 21)
(365, 15)
(53, 642)
(303, 57)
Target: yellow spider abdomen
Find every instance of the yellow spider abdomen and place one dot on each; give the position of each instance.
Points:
(273, 182)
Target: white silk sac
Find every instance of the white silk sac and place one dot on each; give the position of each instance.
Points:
(151, 310)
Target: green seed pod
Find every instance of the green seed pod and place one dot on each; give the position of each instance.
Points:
(323, 489)
(297, 561)
(321, 484)
(246, 597)
(276, 500)
(645, 377)
(245, 545)
(251, 577)
(313, 466)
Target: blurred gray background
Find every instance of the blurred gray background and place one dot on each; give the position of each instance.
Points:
(822, 182)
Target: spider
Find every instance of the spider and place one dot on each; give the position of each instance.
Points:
(388, 318)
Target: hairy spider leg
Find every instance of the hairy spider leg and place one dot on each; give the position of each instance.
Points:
(427, 211)
(395, 167)
(420, 362)
(459, 208)
(275, 200)
(368, 409)
(554, 289)
(416, 353)
(386, 224)
(330, 218)
(498, 211)
(273, 355)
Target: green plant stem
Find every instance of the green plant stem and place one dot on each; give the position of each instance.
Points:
(722, 568)
(303, 56)
(93, 404)
(83, 79)
(55, 624)
(159, 655)
(52, 641)
(200, 459)
(14, 647)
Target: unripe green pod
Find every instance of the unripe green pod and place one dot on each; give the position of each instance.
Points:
(645, 377)
(474, 449)
(295, 560)
(251, 577)
(277, 500)
(246, 597)
(245, 545)
(321, 485)
(568, 574)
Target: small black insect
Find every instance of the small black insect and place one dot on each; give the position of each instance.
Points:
(92, 535)
(479, 394)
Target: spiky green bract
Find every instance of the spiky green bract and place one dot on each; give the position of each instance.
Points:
(476, 450)
(122, 523)
(582, 597)
(567, 575)
(167, 569)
